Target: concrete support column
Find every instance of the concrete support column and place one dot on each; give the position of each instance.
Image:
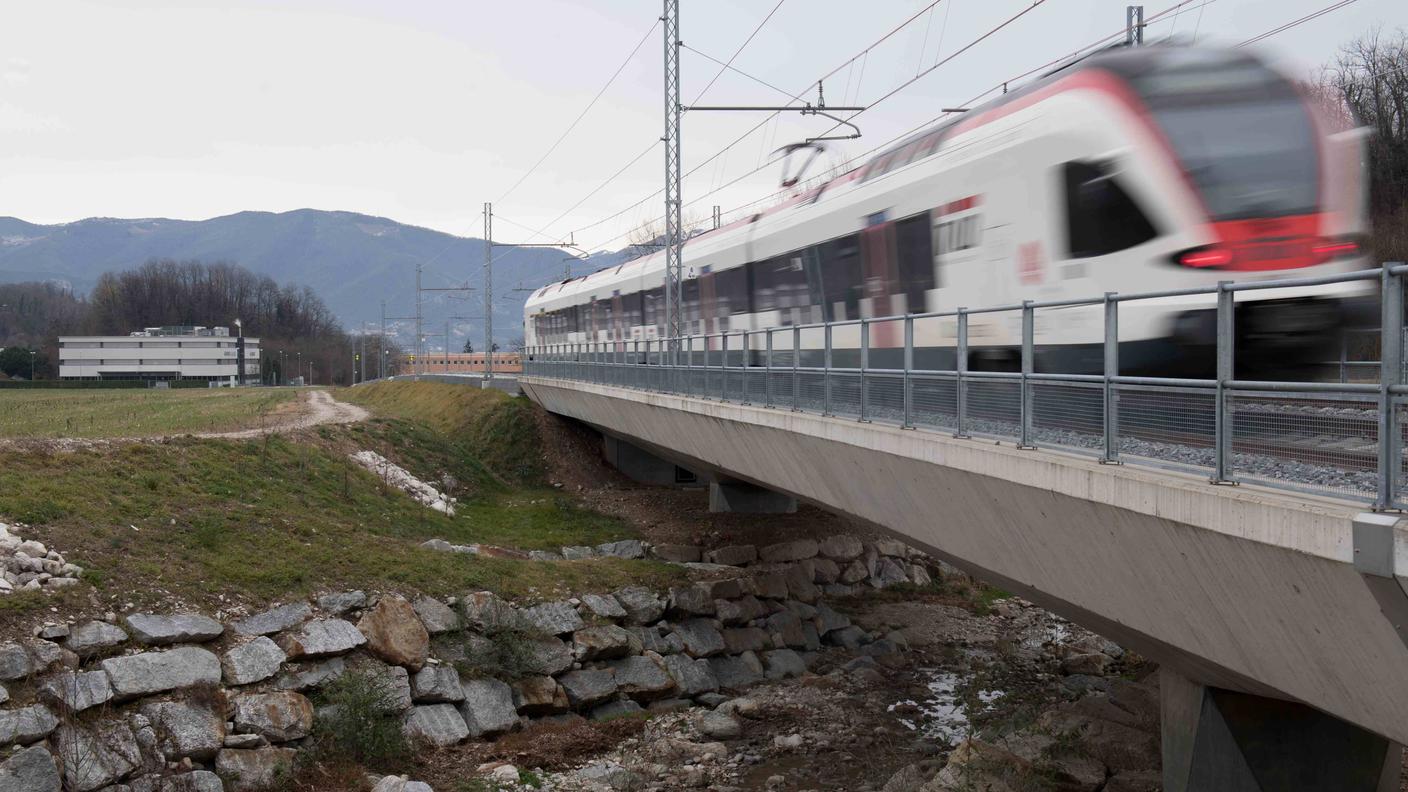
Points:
(737, 496)
(641, 465)
(1220, 741)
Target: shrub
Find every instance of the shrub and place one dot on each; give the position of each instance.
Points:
(358, 722)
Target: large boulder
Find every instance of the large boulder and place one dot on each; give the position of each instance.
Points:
(277, 717)
(321, 638)
(436, 615)
(194, 781)
(30, 770)
(394, 683)
(253, 662)
(96, 755)
(76, 691)
(795, 550)
(548, 656)
(733, 555)
(746, 639)
(539, 695)
(642, 606)
(692, 600)
(602, 642)
(26, 724)
(736, 673)
(15, 662)
(700, 637)
(93, 637)
(553, 618)
(157, 672)
(783, 664)
(253, 770)
(588, 686)
(626, 548)
(841, 547)
(274, 620)
(602, 606)
(641, 678)
(312, 675)
(437, 724)
(691, 676)
(339, 602)
(487, 612)
(395, 634)
(187, 729)
(488, 707)
(155, 629)
(436, 684)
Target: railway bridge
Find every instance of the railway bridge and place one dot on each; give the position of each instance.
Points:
(1244, 534)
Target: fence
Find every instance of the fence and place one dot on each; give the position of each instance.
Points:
(1343, 437)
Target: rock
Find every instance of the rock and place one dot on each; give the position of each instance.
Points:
(795, 550)
(642, 678)
(718, 726)
(626, 548)
(253, 771)
(783, 664)
(486, 612)
(700, 638)
(770, 585)
(321, 638)
(678, 553)
(730, 612)
(745, 639)
(888, 572)
(96, 755)
(828, 620)
(919, 576)
(652, 640)
(692, 677)
(187, 729)
(47, 654)
(277, 717)
(311, 676)
(436, 684)
(343, 601)
(30, 770)
(642, 606)
(163, 630)
(436, 616)
(854, 572)
(544, 555)
(692, 600)
(547, 656)
(907, 779)
(788, 742)
(588, 686)
(578, 553)
(609, 774)
(488, 707)
(277, 619)
(851, 637)
(1118, 746)
(15, 662)
(553, 618)
(891, 547)
(824, 570)
(33, 549)
(156, 672)
(799, 584)
(74, 691)
(1123, 781)
(539, 695)
(249, 740)
(733, 555)
(253, 662)
(194, 781)
(394, 683)
(395, 634)
(602, 607)
(1093, 663)
(93, 637)
(615, 709)
(54, 632)
(437, 724)
(601, 642)
(840, 547)
(785, 625)
(736, 673)
(26, 724)
(400, 784)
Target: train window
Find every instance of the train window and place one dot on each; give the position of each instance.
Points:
(1101, 218)
(732, 285)
(916, 260)
(654, 301)
(779, 283)
(839, 273)
(690, 298)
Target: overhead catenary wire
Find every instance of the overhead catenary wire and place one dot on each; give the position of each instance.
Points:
(1297, 22)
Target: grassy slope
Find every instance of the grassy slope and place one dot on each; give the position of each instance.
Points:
(263, 519)
(135, 413)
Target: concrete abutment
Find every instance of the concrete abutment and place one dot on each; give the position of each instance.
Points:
(741, 497)
(1222, 741)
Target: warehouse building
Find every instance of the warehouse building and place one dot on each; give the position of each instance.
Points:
(209, 354)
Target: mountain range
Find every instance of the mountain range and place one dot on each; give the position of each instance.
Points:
(353, 261)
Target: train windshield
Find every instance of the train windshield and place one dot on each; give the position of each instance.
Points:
(1241, 132)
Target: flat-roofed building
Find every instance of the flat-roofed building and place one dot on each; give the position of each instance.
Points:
(210, 354)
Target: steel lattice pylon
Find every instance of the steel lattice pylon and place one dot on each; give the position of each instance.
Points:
(674, 235)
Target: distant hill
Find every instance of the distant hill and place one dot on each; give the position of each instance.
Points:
(353, 261)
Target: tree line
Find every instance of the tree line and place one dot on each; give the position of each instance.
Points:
(289, 319)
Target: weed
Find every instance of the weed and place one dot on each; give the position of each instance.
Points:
(504, 653)
(358, 723)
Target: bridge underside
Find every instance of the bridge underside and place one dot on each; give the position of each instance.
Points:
(1232, 588)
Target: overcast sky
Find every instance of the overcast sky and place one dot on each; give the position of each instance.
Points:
(420, 111)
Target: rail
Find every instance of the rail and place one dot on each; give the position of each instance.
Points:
(1344, 438)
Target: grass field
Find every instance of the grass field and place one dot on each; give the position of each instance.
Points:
(263, 519)
(95, 414)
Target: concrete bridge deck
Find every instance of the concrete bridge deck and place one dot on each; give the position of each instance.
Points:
(1269, 593)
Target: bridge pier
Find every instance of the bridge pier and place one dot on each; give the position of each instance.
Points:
(1221, 741)
(641, 465)
(738, 496)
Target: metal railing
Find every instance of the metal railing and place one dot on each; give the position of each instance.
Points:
(1343, 438)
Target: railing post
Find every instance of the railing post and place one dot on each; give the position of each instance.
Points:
(960, 391)
(907, 387)
(796, 361)
(1028, 350)
(688, 388)
(864, 363)
(1390, 374)
(723, 378)
(1226, 347)
(1112, 370)
(747, 351)
(826, 371)
(767, 373)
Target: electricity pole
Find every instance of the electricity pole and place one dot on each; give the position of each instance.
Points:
(420, 330)
(1134, 26)
(674, 243)
(488, 290)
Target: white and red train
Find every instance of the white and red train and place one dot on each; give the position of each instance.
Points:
(1132, 170)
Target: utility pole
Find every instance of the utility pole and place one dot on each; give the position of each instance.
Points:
(1134, 26)
(488, 291)
(674, 243)
(420, 330)
(381, 345)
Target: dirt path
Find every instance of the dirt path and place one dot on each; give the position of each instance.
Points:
(319, 408)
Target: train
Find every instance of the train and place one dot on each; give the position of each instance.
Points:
(1131, 170)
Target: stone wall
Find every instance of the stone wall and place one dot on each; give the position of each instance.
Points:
(181, 702)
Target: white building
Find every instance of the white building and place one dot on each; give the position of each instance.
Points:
(160, 353)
